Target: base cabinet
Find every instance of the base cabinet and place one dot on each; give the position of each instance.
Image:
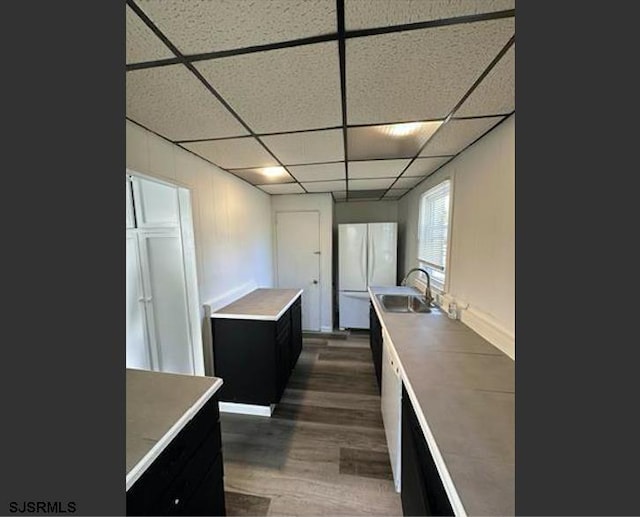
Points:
(422, 490)
(256, 357)
(187, 477)
(375, 342)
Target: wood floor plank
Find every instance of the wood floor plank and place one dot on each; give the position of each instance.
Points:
(246, 504)
(335, 353)
(331, 399)
(324, 451)
(334, 416)
(359, 462)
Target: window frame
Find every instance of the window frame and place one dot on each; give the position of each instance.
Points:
(437, 285)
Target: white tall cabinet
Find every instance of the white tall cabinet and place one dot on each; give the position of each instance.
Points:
(163, 331)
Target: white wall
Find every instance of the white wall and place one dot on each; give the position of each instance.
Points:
(481, 270)
(323, 203)
(232, 220)
(366, 212)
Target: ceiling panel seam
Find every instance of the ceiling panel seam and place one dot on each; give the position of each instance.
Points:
(346, 34)
(477, 82)
(206, 84)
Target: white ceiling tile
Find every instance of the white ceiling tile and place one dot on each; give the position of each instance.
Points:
(370, 184)
(283, 188)
(407, 182)
(455, 135)
(200, 26)
(360, 14)
(235, 153)
(432, 68)
(376, 168)
(424, 166)
(281, 90)
(496, 94)
(389, 140)
(142, 43)
(325, 186)
(395, 193)
(171, 101)
(319, 172)
(308, 147)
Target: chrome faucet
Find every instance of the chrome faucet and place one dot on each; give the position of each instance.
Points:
(427, 293)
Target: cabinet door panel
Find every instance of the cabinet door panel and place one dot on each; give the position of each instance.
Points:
(165, 288)
(156, 204)
(137, 340)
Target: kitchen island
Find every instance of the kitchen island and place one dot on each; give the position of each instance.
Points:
(257, 340)
(460, 391)
(173, 446)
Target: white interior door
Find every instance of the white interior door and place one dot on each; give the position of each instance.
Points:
(167, 306)
(298, 260)
(352, 257)
(383, 253)
(137, 342)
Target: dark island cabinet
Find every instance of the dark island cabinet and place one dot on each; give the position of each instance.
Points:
(375, 342)
(256, 357)
(187, 477)
(422, 490)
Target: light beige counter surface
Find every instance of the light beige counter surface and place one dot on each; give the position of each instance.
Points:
(159, 405)
(463, 391)
(260, 304)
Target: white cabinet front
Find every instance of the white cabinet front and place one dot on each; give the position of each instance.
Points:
(137, 342)
(391, 407)
(167, 298)
(156, 204)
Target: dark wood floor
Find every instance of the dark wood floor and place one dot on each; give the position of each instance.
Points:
(323, 452)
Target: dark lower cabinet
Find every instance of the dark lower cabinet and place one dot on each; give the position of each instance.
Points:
(187, 477)
(375, 342)
(422, 490)
(255, 357)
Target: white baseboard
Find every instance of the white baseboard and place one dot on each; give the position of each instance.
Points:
(491, 330)
(246, 409)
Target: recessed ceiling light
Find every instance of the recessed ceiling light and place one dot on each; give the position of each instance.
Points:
(408, 128)
(273, 172)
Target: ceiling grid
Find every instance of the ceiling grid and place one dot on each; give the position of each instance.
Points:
(276, 105)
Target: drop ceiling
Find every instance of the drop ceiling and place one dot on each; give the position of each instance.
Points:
(363, 99)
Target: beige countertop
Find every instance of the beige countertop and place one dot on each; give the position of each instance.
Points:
(260, 304)
(159, 405)
(463, 391)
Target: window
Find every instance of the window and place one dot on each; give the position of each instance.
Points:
(433, 232)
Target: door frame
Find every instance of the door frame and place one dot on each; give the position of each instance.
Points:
(189, 260)
(275, 253)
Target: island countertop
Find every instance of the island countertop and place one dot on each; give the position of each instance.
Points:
(462, 389)
(159, 405)
(260, 304)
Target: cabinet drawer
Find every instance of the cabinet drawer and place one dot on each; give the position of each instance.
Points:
(208, 499)
(283, 324)
(176, 499)
(202, 430)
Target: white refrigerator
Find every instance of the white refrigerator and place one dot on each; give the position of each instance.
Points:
(367, 256)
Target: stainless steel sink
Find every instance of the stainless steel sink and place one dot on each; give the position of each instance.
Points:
(402, 303)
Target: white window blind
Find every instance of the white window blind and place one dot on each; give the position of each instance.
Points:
(433, 226)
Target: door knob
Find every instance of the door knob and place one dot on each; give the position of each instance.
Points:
(315, 281)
